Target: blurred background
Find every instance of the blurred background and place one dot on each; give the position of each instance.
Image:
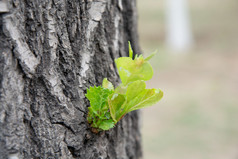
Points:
(197, 68)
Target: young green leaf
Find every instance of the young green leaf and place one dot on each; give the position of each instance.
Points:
(121, 89)
(116, 104)
(108, 106)
(133, 70)
(106, 124)
(134, 89)
(151, 55)
(107, 84)
(98, 111)
(130, 50)
(98, 97)
(146, 98)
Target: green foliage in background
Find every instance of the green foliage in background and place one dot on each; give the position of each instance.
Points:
(109, 105)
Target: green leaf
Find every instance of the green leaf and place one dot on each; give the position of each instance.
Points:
(136, 56)
(116, 104)
(132, 70)
(130, 50)
(98, 112)
(108, 106)
(146, 98)
(107, 84)
(134, 89)
(151, 55)
(106, 124)
(121, 89)
(98, 98)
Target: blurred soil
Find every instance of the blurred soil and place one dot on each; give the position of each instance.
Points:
(198, 116)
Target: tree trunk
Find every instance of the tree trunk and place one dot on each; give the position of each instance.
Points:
(51, 51)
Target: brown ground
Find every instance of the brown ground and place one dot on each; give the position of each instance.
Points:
(198, 116)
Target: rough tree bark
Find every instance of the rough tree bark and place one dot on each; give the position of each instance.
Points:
(51, 51)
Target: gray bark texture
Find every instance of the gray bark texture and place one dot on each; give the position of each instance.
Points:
(51, 51)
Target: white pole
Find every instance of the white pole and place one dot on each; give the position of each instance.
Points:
(179, 36)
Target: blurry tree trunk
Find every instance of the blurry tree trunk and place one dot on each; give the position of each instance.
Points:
(51, 51)
(179, 35)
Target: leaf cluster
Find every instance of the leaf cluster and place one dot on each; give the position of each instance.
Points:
(109, 105)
